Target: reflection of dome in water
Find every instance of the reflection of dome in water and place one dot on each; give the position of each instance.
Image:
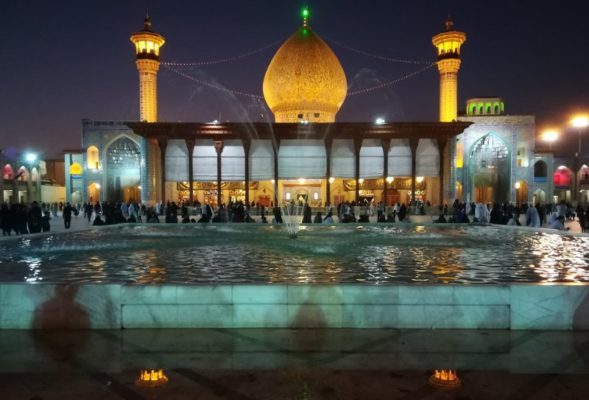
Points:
(305, 80)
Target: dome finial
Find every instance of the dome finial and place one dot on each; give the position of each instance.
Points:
(147, 23)
(449, 23)
(305, 13)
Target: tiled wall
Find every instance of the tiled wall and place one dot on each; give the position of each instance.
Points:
(111, 306)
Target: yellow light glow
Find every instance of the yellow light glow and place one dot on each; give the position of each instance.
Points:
(390, 179)
(361, 181)
(301, 181)
(419, 179)
(446, 379)
(152, 378)
(580, 121)
(97, 185)
(75, 169)
(518, 185)
(550, 135)
(331, 179)
(459, 155)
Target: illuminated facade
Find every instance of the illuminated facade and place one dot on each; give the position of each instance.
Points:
(448, 46)
(306, 155)
(494, 156)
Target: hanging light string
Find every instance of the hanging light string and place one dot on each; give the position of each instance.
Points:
(223, 60)
(212, 85)
(258, 97)
(376, 56)
(389, 83)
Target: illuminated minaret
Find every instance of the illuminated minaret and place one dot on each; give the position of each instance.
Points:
(448, 44)
(147, 48)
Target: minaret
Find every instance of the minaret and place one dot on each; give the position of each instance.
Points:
(147, 48)
(448, 44)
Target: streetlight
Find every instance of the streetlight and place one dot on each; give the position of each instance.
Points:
(550, 136)
(380, 121)
(579, 122)
(30, 157)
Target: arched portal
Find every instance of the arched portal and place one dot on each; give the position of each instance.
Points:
(7, 172)
(490, 170)
(93, 192)
(123, 170)
(562, 179)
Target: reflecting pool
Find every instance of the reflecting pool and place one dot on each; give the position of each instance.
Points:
(248, 253)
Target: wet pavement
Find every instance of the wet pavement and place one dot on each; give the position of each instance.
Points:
(293, 364)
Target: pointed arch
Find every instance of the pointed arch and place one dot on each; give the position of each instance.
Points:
(123, 169)
(490, 169)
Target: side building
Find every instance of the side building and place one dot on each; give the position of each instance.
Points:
(495, 155)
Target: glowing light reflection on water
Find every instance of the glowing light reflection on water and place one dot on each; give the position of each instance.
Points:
(375, 254)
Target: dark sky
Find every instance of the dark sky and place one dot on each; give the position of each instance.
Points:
(62, 61)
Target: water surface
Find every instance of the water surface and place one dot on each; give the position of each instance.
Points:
(248, 253)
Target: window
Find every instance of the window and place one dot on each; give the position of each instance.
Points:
(92, 158)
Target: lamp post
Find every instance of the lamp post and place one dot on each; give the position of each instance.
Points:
(550, 136)
(579, 122)
(30, 158)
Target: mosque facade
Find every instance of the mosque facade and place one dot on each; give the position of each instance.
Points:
(306, 155)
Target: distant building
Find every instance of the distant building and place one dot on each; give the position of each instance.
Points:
(21, 177)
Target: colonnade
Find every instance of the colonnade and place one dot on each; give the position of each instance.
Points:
(219, 145)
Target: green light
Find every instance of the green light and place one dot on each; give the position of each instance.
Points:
(305, 12)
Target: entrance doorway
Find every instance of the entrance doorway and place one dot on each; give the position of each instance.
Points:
(490, 170)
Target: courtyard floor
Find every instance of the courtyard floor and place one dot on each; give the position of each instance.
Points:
(293, 364)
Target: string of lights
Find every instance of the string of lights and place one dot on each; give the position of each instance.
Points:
(258, 97)
(212, 85)
(389, 83)
(223, 60)
(376, 56)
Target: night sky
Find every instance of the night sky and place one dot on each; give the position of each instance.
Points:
(62, 61)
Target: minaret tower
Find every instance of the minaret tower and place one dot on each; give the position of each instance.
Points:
(448, 44)
(147, 48)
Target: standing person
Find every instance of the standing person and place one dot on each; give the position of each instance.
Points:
(67, 215)
(34, 218)
(88, 211)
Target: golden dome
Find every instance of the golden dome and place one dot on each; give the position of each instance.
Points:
(305, 81)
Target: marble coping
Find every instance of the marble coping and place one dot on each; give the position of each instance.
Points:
(115, 306)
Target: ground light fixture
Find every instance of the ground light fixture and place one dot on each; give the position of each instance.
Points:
(445, 379)
(151, 378)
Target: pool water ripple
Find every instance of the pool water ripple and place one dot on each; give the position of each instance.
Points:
(374, 254)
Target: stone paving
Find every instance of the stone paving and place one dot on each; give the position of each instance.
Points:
(293, 364)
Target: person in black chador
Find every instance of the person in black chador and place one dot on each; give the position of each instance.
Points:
(6, 220)
(45, 224)
(306, 214)
(277, 215)
(67, 215)
(34, 218)
(402, 212)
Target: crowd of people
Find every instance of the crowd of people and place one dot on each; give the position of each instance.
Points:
(22, 219)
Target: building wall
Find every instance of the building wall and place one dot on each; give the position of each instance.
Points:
(53, 194)
(102, 134)
(518, 134)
